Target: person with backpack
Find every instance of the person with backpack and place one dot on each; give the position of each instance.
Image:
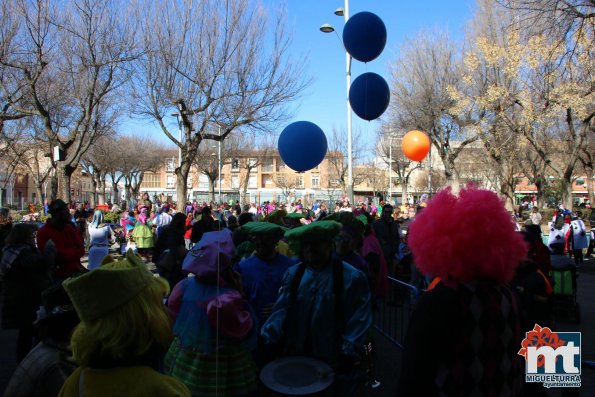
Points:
(324, 309)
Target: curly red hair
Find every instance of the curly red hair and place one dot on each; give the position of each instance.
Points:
(468, 237)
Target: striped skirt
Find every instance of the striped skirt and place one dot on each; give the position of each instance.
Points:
(233, 374)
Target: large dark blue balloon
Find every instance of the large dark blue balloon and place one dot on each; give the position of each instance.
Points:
(302, 145)
(364, 36)
(369, 96)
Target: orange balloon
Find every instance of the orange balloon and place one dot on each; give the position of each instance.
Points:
(416, 145)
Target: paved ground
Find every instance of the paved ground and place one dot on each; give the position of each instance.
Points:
(389, 356)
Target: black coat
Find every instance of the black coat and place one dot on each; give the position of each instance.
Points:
(387, 234)
(27, 277)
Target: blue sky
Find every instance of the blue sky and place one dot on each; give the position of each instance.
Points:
(324, 102)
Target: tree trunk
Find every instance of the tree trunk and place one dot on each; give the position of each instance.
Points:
(212, 190)
(64, 173)
(39, 190)
(94, 196)
(182, 173)
(101, 192)
(128, 194)
(450, 173)
(244, 193)
(540, 195)
(566, 190)
(404, 191)
(54, 182)
(590, 183)
(115, 194)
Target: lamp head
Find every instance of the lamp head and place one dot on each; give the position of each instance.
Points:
(327, 28)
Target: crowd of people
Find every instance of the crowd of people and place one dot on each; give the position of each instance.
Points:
(234, 289)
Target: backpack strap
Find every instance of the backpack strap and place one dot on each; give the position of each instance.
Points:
(291, 301)
(295, 284)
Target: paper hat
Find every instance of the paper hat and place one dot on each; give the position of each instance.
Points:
(96, 293)
(214, 250)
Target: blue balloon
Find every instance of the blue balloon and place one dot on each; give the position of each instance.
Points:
(364, 36)
(302, 145)
(369, 96)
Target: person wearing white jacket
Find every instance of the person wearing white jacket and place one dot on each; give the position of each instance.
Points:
(579, 238)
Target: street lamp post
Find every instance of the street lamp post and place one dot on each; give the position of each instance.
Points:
(390, 169)
(326, 28)
(430, 172)
(219, 163)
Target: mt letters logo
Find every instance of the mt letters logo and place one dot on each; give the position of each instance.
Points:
(552, 358)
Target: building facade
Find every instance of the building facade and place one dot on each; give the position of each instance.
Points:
(250, 179)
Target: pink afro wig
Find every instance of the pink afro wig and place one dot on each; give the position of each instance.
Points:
(468, 237)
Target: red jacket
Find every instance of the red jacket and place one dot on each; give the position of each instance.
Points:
(69, 248)
(188, 232)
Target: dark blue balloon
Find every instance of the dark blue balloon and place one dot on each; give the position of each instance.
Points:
(364, 36)
(302, 145)
(369, 96)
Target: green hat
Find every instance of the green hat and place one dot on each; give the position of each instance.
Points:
(321, 230)
(104, 289)
(245, 249)
(363, 219)
(263, 228)
(348, 220)
(276, 217)
(295, 215)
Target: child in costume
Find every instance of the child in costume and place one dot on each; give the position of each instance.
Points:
(143, 235)
(214, 328)
(123, 333)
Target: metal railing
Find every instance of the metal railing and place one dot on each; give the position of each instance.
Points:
(394, 312)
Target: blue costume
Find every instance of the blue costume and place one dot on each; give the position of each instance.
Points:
(355, 260)
(261, 280)
(314, 315)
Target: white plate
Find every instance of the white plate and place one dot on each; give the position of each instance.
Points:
(297, 375)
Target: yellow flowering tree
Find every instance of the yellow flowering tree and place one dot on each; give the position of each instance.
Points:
(533, 88)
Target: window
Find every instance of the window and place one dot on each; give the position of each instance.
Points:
(235, 182)
(170, 182)
(252, 162)
(267, 165)
(252, 182)
(151, 181)
(266, 180)
(300, 181)
(315, 181)
(170, 166)
(281, 165)
(334, 182)
(203, 181)
(235, 165)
